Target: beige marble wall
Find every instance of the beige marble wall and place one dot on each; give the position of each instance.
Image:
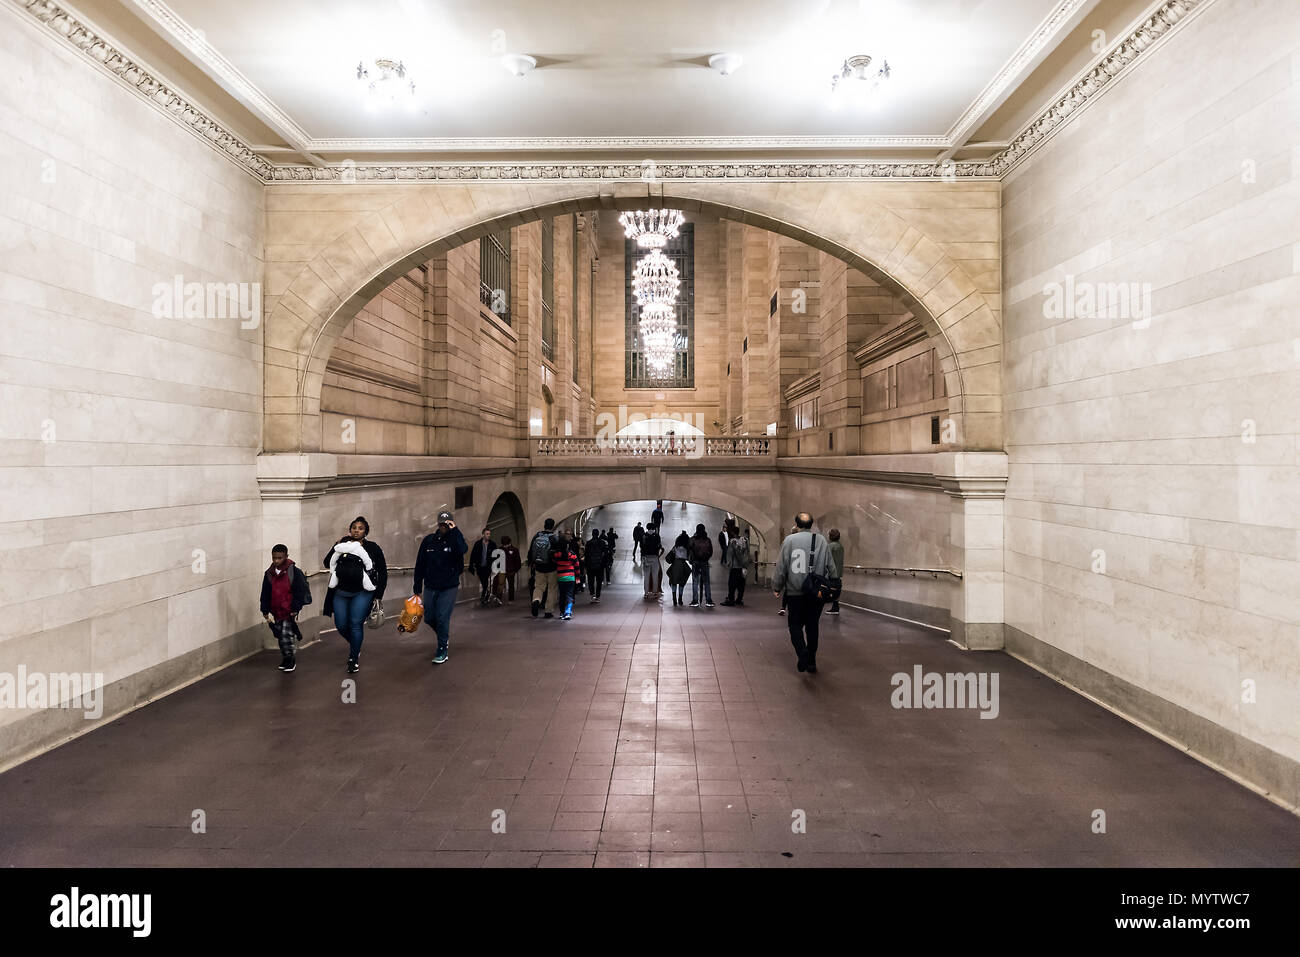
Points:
(129, 509)
(1153, 511)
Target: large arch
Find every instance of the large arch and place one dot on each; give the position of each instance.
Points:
(389, 230)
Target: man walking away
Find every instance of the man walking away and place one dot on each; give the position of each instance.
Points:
(802, 553)
(480, 559)
(837, 565)
(284, 592)
(611, 543)
(701, 552)
(657, 516)
(738, 561)
(651, 567)
(543, 568)
(638, 533)
(439, 565)
(594, 561)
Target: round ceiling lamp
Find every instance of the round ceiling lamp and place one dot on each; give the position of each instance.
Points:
(652, 228)
(519, 63)
(726, 63)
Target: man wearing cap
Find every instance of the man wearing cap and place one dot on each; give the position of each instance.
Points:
(439, 565)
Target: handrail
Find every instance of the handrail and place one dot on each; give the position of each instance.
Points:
(884, 569)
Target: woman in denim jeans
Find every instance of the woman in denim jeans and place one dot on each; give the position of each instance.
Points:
(354, 590)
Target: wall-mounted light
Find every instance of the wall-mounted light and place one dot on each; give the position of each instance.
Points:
(519, 63)
(726, 63)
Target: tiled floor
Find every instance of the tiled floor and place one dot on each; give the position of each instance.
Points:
(632, 735)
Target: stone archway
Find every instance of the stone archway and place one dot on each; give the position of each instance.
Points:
(351, 242)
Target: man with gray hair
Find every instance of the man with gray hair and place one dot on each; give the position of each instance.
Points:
(802, 553)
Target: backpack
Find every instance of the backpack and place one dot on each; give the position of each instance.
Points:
(539, 552)
(650, 545)
(595, 553)
(306, 586)
(701, 550)
(740, 557)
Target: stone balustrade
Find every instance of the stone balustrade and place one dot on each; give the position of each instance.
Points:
(646, 445)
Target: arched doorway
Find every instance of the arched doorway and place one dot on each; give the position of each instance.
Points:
(507, 519)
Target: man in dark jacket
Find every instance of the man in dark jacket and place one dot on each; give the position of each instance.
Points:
(637, 534)
(652, 568)
(594, 561)
(701, 552)
(542, 569)
(611, 543)
(439, 565)
(480, 559)
(284, 592)
(657, 516)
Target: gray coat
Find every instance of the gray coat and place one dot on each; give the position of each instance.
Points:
(815, 554)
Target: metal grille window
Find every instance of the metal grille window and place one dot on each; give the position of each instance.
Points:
(548, 288)
(636, 374)
(494, 273)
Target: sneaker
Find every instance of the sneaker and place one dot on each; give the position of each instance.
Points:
(353, 666)
(781, 612)
(289, 664)
(812, 666)
(284, 660)
(536, 605)
(548, 615)
(565, 617)
(440, 657)
(695, 604)
(740, 604)
(728, 603)
(708, 604)
(833, 611)
(803, 664)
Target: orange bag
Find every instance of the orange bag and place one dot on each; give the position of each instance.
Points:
(412, 615)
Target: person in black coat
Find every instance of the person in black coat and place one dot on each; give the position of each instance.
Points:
(358, 577)
(480, 559)
(611, 542)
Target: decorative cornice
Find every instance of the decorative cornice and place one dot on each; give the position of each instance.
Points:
(1012, 70)
(487, 144)
(102, 50)
(801, 387)
(890, 341)
(1090, 84)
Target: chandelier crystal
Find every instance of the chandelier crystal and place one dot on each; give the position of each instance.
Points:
(655, 279)
(652, 228)
(857, 79)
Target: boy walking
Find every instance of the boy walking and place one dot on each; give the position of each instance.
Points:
(284, 592)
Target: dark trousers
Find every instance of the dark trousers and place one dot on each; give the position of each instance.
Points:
(593, 581)
(636, 545)
(736, 585)
(609, 572)
(802, 614)
(439, 603)
(286, 633)
(485, 581)
(510, 585)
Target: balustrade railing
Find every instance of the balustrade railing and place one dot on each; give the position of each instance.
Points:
(650, 445)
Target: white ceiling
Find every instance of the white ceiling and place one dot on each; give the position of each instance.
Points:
(613, 68)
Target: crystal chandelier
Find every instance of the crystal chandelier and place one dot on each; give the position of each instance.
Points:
(652, 228)
(857, 79)
(390, 81)
(655, 279)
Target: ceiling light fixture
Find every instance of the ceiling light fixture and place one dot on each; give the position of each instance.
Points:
(655, 280)
(390, 81)
(857, 80)
(726, 63)
(519, 63)
(652, 228)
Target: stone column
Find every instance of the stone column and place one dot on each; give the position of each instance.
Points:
(976, 483)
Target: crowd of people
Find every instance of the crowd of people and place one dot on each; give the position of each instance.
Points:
(560, 565)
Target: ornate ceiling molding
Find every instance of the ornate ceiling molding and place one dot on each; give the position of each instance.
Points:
(101, 50)
(1013, 70)
(140, 79)
(489, 144)
(1153, 30)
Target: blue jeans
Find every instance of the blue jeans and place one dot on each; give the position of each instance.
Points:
(350, 610)
(700, 574)
(439, 603)
(566, 596)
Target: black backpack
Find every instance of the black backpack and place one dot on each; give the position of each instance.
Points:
(350, 569)
(595, 552)
(539, 552)
(701, 550)
(650, 544)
